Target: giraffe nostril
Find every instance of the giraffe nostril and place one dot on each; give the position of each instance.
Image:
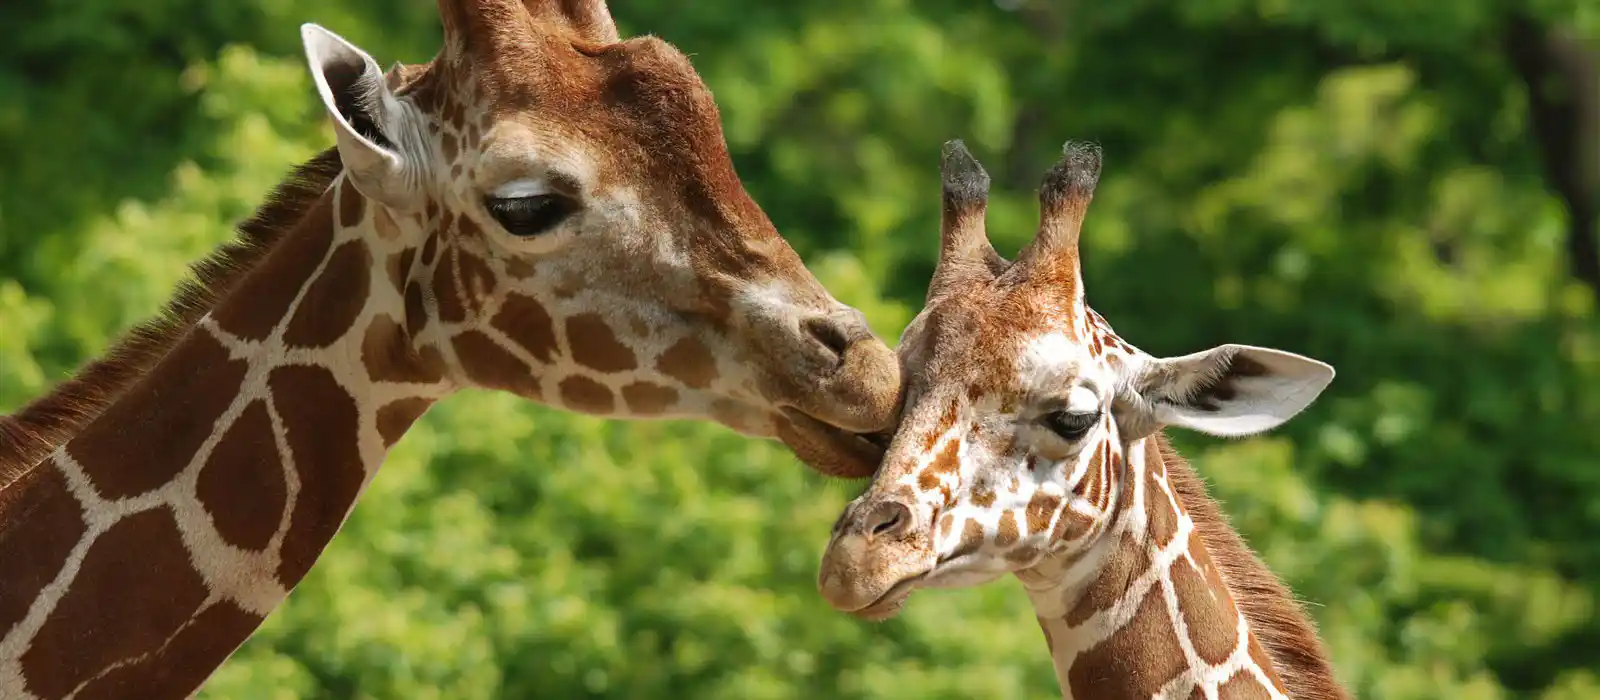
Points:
(830, 333)
(888, 519)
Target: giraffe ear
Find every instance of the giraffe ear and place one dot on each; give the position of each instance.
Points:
(1229, 390)
(369, 122)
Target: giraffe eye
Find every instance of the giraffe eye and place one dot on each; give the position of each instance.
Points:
(532, 215)
(1071, 426)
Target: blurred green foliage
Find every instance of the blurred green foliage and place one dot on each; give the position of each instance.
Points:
(1356, 181)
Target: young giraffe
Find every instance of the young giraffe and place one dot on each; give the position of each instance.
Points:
(542, 209)
(1030, 443)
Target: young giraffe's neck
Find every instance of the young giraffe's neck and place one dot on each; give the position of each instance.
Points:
(1146, 612)
(146, 549)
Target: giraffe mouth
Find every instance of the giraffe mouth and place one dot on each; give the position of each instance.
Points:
(830, 449)
(891, 602)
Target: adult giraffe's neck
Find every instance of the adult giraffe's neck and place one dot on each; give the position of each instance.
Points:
(1148, 611)
(147, 548)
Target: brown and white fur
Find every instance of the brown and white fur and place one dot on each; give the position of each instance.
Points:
(543, 209)
(1031, 444)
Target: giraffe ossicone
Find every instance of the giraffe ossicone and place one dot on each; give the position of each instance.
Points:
(1031, 443)
(542, 209)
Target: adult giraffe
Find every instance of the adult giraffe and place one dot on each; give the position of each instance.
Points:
(1031, 443)
(542, 209)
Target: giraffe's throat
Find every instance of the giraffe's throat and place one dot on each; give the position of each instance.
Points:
(1145, 611)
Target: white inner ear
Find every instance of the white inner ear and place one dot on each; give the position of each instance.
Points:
(368, 120)
(521, 188)
(1258, 403)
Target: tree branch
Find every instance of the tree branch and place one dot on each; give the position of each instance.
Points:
(1563, 84)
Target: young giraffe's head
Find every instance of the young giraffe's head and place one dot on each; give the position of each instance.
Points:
(570, 228)
(1020, 406)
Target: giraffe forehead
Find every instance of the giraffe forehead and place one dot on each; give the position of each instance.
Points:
(1055, 357)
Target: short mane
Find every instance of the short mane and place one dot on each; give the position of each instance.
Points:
(42, 426)
(1277, 619)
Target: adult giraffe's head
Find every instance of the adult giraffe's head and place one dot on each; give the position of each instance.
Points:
(574, 232)
(1020, 404)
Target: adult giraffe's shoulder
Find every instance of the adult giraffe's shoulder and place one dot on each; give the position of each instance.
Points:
(1031, 444)
(542, 209)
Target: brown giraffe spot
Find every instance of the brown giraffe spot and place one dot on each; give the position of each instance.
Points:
(321, 423)
(388, 357)
(477, 281)
(595, 345)
(1199, 693)
(948, 462)
(946, 522)
(646, 399)
(1163, 519)
(1070, 526)
(587, 395)
(947, 419)
(141, 563)
(1023, 555)
(241, 484)
(447, 144)
(333, 302)
(40, 523)
(397, 416)
(736, 415)
(639, 326)
(184, 662)
(971, 538)
(1124, 563)
(263, 296)
(149, 435)
(689, 361)
(982, 496)
(400, 267)
(383, 221)
(468, 227)
(351, 205)
(448, 298)
(1135, 661)
(521, 268)
(1041, 508)
(1093, 481)
(430, 249)
(1006, 535)
(456, 171)
(1242, 686)
(447, 225)
(1208, 613)
(491, 366)
(524, 320)
(416, 313)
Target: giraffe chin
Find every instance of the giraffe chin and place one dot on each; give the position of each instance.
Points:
(888, 605)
